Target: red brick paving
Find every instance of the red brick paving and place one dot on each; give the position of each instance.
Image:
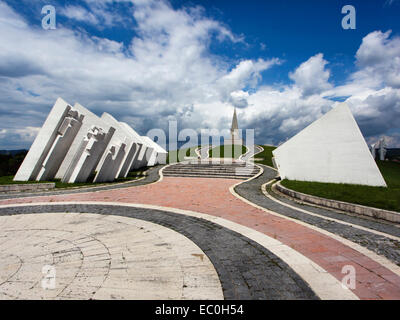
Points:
(212, 196)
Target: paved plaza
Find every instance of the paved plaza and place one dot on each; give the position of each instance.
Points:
(171, 237)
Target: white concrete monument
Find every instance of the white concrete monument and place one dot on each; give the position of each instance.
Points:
(331, 149)
(89, 120)
(75, 144)
(51, 144)
(88, 155)
(381, 147)
(138, 159)
(111, 164)
(158, 155)
(120, 137)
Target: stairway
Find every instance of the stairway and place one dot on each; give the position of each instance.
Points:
(208, 169)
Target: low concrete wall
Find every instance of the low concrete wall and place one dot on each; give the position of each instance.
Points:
(26, 187)
(344, 206)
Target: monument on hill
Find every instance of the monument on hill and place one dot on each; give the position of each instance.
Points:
(331, 149)
(234, 137)
(74, 143)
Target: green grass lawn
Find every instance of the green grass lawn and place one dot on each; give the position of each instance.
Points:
(227, 151)
(179, 155)
(266, 156)
(378, 197)
(9, 180)
(133, 175)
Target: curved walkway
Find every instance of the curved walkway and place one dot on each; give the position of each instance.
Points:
(142, 252)
(261, 245)
(374, 280)
(377, 236)
(251, 153)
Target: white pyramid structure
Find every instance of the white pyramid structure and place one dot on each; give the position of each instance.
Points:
(332, 149)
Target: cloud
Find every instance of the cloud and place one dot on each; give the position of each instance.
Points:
(311, 76)
(80, 14)
(379, 57)
(279, 112)
(378, 112)
(392, 141)
(167, 71)
(390, 2)
(239, 98)
(19, 66)
(18, 138)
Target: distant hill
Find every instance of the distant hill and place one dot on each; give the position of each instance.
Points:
(12, 152)
(10, 160)
(393, 153)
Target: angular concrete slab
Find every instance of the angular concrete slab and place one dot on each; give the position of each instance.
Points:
(129, 138)
(159, 156)
(331, 149)
(75, 144)
(88, 155)
(51, 144)
(135, 163)
(111, 164)
(90, 120)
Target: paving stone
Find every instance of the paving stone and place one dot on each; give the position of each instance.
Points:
(83, 269)
(230, 264)
(213, 198)
(390, 248)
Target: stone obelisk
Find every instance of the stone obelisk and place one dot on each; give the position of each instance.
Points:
(234, 138)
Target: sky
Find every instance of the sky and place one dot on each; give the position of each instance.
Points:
(282, 64)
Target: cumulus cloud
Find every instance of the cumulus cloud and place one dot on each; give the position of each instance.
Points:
(371, 91)
(239, 99)
(311, 76)
(80, 14)
(392, 141)
(168, 72)
(378, 112)
(379, 57)
(166, 68)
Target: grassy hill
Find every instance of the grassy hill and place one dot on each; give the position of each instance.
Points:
(179, 155)
(227, 151)
(10, 161)
(266, 156)
(378, 197)
(132, 175)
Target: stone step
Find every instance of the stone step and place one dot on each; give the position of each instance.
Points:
(242, 174)
(211, 170)
(210, 165)
(188, 175)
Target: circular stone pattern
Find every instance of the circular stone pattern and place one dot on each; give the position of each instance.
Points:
(93, 256)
